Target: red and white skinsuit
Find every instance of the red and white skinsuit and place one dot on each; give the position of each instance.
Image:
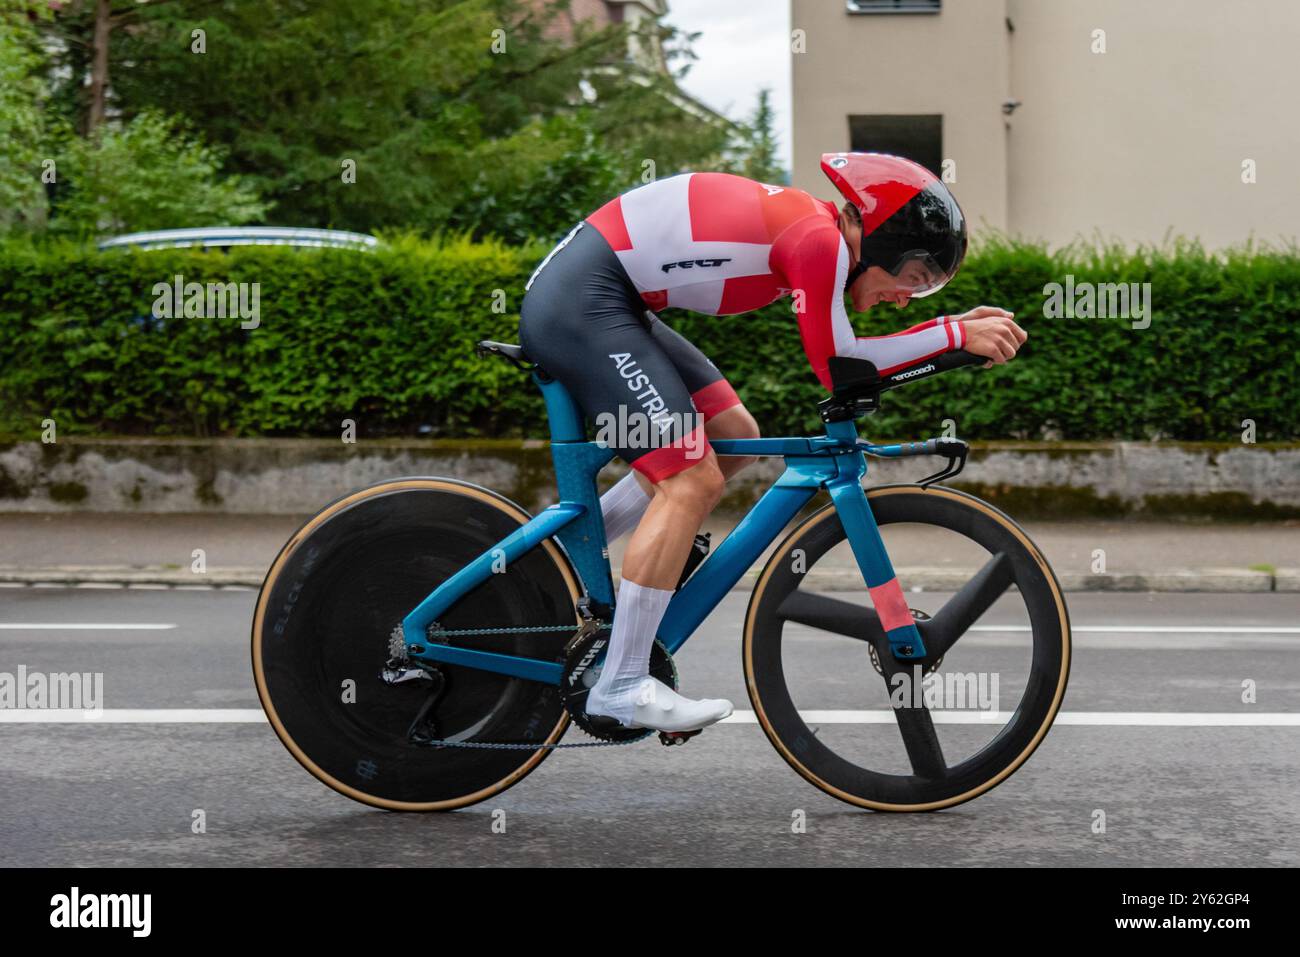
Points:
(719, 244)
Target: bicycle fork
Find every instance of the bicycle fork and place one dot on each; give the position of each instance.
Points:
(860, 527)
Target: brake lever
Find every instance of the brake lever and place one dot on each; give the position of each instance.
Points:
(958, 456)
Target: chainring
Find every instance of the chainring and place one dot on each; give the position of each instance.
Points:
(581, 669)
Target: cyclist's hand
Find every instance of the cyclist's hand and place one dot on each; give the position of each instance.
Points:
(992, 333)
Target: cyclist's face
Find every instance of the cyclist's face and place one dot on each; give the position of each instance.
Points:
(914, 276)
(878, 285)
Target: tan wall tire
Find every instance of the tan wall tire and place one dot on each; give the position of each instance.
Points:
(372, 555)
(799, 747)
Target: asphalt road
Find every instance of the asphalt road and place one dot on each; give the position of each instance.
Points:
(1172, 794)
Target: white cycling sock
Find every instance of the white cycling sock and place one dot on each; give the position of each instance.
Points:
(622, 506)
(636, 620)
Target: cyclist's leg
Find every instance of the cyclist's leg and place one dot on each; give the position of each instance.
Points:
(733, 423)
(652, 564)
(603, 353)
(581, 320)
(686, 485)
(725, 416)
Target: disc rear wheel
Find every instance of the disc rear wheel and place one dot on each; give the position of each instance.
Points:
(325, 618)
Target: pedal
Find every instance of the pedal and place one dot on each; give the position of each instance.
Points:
(670, 738)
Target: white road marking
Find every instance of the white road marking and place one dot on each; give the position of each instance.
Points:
(83, 626)
(1161, 629)
(134, 716)
(1077, 629)
(1138, 719)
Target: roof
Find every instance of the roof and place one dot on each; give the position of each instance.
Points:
(225, 236)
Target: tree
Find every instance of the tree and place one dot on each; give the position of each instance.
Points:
(24, 133)
(151, 173)
(365, 114)
(758, 144)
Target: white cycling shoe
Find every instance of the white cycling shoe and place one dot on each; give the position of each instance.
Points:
(659, 708)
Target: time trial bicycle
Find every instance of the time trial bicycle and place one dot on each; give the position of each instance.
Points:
(423, 644)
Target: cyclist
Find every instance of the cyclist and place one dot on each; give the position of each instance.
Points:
(719, 244)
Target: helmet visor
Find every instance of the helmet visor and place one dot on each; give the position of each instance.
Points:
(922, 244)
(919, 274)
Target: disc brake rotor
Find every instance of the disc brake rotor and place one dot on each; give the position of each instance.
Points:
(917, 615)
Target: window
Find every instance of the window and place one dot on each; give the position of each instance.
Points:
(919, 138)
(894, 6)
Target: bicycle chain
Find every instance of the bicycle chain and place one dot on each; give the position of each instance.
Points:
(505, 746)
(514, 746)
(462, 632)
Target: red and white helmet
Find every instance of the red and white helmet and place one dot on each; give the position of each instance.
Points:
(911, 224)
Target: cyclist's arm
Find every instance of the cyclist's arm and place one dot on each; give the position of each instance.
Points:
(816, 268)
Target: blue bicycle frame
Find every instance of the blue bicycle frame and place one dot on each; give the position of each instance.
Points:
(835, 462)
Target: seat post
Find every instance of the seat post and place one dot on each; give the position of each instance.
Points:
(562, 412)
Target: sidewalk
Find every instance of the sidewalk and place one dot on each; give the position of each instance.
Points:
(1139, 556)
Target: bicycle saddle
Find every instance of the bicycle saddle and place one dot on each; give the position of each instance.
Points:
(512, 353)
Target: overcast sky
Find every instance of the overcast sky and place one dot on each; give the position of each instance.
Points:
(743, 46)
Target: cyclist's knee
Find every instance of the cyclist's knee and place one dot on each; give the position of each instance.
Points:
(734, 423)
(698, 487)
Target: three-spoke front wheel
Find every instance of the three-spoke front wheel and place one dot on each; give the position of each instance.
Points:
(916, 735)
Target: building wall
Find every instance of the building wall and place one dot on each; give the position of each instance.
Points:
(606, 12)
(953, 63)
(1143, 141)
(1150, 136)
(589, 10)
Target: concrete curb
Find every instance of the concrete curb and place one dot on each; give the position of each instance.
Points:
(831, 579)
(130, 575)
(297, 476)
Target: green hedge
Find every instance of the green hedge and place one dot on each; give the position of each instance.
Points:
(386, 338)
